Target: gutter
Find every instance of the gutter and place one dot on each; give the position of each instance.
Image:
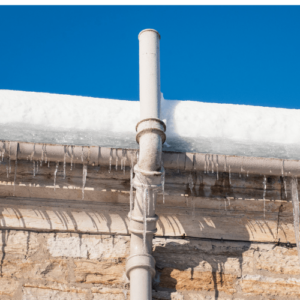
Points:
(183, 161)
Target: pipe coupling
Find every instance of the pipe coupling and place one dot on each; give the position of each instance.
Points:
(140, 261)
(151, 125)
(137, 225)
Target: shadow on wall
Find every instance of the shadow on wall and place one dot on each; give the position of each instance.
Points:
(198, 265)
(216, 208)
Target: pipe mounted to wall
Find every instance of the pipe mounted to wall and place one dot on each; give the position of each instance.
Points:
(140, 267)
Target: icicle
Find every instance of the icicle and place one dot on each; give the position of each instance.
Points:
(32, 153)
(72, 155)
(15, 176)
(225, 204)
(125, 294)
(55, 172)
(37, 167)
(228, 201)
(264, 195)
(144, 218)
(131, 192)
(9, 163)
(212, 164)
(208, 161)
(124, 160)
(110, 159)
(247, 173)
(205, 166)
(229, 175)
(225, 164)
(64, 168)
(48, 164)
(148, 201)
(191, 183)
(178, 163)
(284, 186)
(33, 168)
(163, 184)
(295, 199)
(2, 154)
(153, 199)
(194, 162)
(84, 174)
(217, 166)
(117, 159)
(44, 153)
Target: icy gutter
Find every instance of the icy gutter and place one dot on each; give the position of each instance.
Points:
(104, 156)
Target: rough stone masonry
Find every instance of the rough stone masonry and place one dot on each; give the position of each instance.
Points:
(41, 265)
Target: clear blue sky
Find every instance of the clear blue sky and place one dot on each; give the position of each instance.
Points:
(226, 54)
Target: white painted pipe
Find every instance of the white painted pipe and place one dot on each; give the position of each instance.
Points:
(140, 266)
(149, 74)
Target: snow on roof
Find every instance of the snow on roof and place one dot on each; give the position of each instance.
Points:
(191, 126)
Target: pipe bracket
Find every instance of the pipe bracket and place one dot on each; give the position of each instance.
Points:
(136, 169)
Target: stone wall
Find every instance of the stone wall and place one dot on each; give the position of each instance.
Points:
(41, 265)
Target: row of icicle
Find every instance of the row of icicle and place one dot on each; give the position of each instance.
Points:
(210, 165)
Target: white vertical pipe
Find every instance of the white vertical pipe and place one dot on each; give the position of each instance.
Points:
(149, 74)
(140, 267)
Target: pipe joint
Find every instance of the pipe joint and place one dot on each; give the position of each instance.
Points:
(140, 261)
(137, 224)
(151, 125)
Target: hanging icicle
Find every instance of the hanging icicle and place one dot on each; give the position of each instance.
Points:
(217, 166)
(64, 167)
(15, 176)
(110, 159)
(84, 174)
(33, 168)
(144, 217)
(295, 199)
(117, 160)
(131, 192)
(72, 155)
(32, 153)
(163, 184)
(55, 172)
(264, 194)
(191, 183)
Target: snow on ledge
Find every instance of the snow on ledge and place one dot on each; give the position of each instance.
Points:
(191, 126)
